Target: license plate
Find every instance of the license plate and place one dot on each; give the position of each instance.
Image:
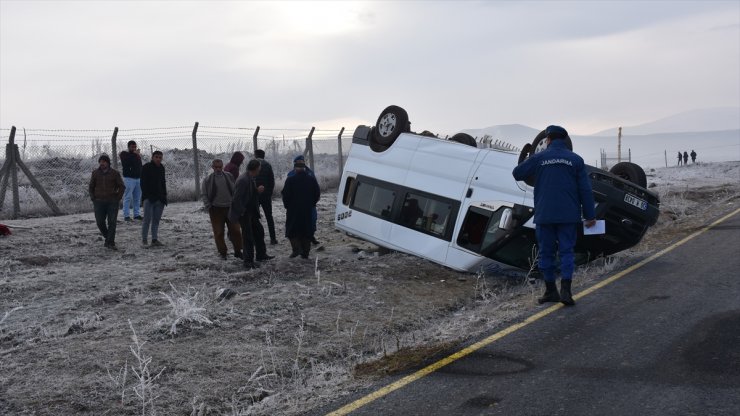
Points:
(633, 200)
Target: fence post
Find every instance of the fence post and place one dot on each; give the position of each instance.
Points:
(254, 139)
(5, 172)
(14, 174)
(196, 161)
(619, 146)
(309, 149)
(339, 147)
(665, 155)
(629, 154)
(114, 156)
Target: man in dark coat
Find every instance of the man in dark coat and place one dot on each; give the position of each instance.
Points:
(234, 164)
(131, 168)
(106, 189)
(693, 156)
(685, 158)
(154, 193)
(245, 209)
(680, 158)
(562, 191)
(300, 195)
(314, 213)
(266, 178)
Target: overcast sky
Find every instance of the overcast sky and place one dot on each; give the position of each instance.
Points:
(452, 65)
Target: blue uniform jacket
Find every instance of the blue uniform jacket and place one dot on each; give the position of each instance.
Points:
(561, 187)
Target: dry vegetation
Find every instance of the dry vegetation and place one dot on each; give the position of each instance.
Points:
(176, 330)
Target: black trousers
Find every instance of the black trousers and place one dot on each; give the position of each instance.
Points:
(253, 238)
(105, 217)
(266, 204)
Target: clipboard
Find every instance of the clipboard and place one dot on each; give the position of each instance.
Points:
(596, 229)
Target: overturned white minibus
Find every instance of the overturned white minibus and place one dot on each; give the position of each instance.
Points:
(457, 205)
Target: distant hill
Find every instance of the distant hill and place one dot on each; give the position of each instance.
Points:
(507, 132)
(702, 120)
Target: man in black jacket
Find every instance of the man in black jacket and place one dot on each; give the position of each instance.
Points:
(154, 193)
(245, 209)
(131, 166)
(300, 195)
(266, 178)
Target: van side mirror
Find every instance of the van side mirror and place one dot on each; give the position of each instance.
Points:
(507, 220)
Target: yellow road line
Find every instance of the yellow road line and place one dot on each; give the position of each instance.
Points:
(351, 407)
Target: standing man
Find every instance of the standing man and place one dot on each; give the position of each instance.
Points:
(562, 189)
(217, 191)
(685, 158)
(131, 166)
(300, 194)
(680, 158)
(314, 213)
(234, 164)
(266, 178)
(693, 156)
(106, 189)
(154, 192)
(245, 209)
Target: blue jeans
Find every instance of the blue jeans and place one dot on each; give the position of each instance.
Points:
(132, 195)
(152, 214)
(555, 239)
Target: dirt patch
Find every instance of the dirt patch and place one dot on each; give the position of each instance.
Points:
(207, 337)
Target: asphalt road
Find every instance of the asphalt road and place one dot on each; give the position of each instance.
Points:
(663, 339)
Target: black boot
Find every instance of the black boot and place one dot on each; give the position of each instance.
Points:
(565, 297)
(551, 293)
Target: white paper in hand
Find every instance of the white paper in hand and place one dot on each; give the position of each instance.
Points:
(598, 228)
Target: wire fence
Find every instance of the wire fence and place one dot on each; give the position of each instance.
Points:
(62, 160)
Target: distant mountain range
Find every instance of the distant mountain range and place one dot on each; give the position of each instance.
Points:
(695, 121)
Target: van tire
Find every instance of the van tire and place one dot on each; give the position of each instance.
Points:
(540, 139)
(464, 139)
(530, 149)
(631, 172)
(391, 123)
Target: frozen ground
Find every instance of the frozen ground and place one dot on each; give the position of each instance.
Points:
(87, 331)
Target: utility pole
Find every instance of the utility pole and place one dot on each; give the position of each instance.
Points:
(619, 146)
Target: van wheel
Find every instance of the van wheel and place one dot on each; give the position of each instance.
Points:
(631, 172)
(392, 122)
(464, 139)
(538, 145)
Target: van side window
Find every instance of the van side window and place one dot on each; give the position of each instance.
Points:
(373, 199)
(349, 190)
(425, 214)
(473, 229)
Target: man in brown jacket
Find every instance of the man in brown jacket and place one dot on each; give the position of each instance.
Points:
(217, 192)
(106, 189)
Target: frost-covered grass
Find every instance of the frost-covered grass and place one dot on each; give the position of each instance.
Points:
(290, 336)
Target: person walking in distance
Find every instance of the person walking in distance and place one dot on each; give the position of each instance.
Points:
(234, 164)
(685, 158)
(680, 158)
(245, 210)
(131, 167)
(266, 178)
(314, 213)
(106, 189)
(693, 156)
(217, 191)
(300, 194)
(562, 191)
(154, 193)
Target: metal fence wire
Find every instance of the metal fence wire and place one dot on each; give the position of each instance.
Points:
(62, 160)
